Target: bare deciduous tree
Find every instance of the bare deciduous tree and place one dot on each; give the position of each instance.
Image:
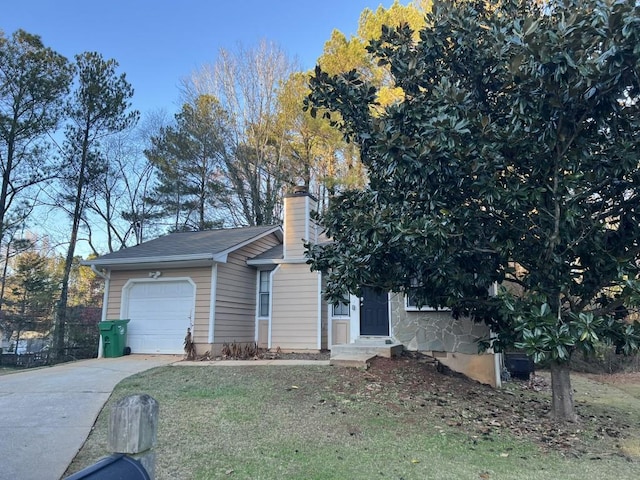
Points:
(246, 82)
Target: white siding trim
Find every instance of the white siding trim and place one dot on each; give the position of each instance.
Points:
(329, 325)
(212, 304)
(320, 311)
(354, 323)
(271, 302)
(497, 361)
(105, 300)
(389, 314)
(285, 227)
(103, 314)
(258, 317)
(306, 218)
(256, 333)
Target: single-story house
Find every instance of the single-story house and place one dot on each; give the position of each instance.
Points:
(253, 284)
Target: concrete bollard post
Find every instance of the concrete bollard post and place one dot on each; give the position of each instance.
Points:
(133, 428)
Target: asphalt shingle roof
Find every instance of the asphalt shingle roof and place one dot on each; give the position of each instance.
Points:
(185, 245)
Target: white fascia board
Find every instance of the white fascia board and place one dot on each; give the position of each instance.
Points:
(145, 260)
(275, 261)
(221, 257)
(266, 261)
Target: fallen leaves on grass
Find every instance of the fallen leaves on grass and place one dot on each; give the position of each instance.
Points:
(466, 405)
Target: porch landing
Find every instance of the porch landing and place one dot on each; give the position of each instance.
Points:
(363, 350)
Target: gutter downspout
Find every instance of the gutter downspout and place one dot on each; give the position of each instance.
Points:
(106, 277)
(271, 302)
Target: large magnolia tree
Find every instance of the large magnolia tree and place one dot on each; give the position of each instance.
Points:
(511, 157)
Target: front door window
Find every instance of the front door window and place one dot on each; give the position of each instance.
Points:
(341, 309)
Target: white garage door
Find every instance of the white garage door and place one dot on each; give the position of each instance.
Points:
(160, 313)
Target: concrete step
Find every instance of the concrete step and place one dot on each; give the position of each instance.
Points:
(352, 360)
(372, 349)
(366, 340)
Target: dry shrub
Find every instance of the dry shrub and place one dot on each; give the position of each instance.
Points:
(605, 360)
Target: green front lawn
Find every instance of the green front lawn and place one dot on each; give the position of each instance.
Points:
(400, 420)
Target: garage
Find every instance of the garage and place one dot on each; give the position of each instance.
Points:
(160, 312)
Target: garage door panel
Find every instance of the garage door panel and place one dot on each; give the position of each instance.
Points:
(159, 314)
(162, 290)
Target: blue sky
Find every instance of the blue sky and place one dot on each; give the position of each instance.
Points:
(159, 42)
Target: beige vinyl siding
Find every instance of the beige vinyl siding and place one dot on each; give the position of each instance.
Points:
(298, 227)
(201, 276)
(263, 333)
(235, 296)
(235, 310)
(295, 308)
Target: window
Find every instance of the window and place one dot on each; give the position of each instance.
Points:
(341, 309)
(410, 304)
(263, 293)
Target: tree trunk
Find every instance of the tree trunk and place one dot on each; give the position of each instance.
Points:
(6, 175)
(60, 318)
(562, 407)
(5, 267)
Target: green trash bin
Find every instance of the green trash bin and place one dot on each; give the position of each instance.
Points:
(114, 337)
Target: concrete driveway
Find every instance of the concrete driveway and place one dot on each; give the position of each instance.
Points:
(46, 414)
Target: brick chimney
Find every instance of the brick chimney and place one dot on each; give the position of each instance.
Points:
(299, 228)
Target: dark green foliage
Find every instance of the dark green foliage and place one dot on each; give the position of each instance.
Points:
(189, 159)
(512, 158)
(31, 293)
(33, 83)
(99, 106)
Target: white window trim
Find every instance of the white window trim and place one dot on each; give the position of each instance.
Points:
(353, 318)
(260, 293)
(271, 302)
(257, 309)
(340, 317)
(424, 308)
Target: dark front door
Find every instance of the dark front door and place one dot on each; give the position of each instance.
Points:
(374, 313)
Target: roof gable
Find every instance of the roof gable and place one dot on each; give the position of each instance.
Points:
(205, 246)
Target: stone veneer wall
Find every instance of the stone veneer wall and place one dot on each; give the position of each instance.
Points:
(434, 331)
